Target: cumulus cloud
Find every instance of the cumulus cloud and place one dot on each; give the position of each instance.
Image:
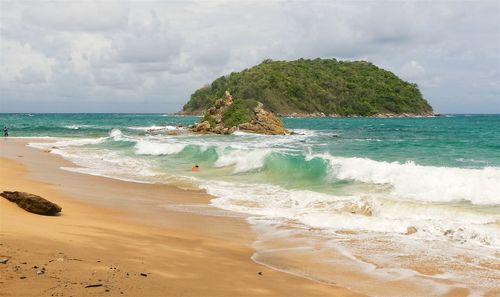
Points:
(94, 16)
(89, 55)
(30, 76)
(415, 72)
(21, 60)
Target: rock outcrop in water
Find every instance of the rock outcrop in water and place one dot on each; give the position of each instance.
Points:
(264, 122)
(32, 203)
(228, 115)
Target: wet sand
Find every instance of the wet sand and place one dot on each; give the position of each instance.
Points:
(104, 240)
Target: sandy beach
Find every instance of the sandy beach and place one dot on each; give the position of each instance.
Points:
(102, 240)
(259, 148)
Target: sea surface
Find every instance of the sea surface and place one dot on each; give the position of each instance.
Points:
(338, 188)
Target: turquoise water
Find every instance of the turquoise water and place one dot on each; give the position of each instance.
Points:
(372, 176)
(304, 160)
(469, 141)
(350, 146)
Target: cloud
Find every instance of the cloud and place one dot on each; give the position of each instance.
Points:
(93, 16)
(148, 45)
(118, 78)
(413, 70)
(153, 55)
(23, 63)
(31, 76)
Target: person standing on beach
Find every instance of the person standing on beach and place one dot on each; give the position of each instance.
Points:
(5, 131)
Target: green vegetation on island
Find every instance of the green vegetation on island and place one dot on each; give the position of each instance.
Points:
(227, 115)
(316, 86)
(239, 112)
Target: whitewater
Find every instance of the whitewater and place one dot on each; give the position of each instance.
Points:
(345, 185)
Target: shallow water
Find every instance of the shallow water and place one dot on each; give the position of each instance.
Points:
(352, 185)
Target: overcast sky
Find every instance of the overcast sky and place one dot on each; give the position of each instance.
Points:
(150, 56)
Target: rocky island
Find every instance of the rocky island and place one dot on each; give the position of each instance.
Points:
(228, 115)
(317, 88)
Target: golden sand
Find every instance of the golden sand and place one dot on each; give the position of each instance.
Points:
(100, 240)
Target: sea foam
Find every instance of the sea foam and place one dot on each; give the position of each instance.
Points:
(76, 127)
(243, 160)
(67, 143)
(407, 181)
(153, 128)
(424, 183)
(366, 213)
(144, 147)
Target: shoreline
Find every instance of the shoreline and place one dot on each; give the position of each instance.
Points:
(182, 253)
(318, 115)
(283, 249)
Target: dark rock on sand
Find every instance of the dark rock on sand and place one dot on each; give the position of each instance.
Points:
(32, 203)
(410, 230)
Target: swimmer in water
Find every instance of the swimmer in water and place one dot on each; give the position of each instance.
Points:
(195, 168)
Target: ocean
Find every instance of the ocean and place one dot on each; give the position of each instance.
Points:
(343, 190)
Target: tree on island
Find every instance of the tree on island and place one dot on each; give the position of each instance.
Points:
(316, 86)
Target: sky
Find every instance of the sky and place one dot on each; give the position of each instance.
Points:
(87, 56)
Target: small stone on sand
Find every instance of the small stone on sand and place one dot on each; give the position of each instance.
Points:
(410, 230)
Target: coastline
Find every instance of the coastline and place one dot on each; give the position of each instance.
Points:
(103, 238)
(323, 115)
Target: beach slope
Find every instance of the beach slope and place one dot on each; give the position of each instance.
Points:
(94, 249)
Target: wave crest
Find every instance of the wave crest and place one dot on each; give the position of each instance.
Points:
(404, 181)
(243, 160)
(156, 148)
(424, 183)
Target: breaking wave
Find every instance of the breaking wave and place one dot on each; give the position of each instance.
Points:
(157, 148)
(243, 160)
